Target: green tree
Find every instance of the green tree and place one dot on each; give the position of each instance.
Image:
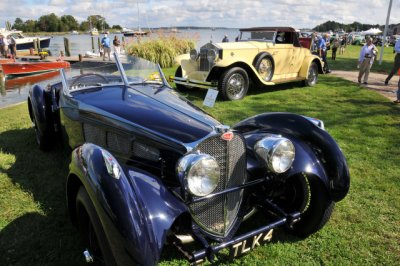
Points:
(31, 26)
(18, 24)
(116, 27)
(69, 23)
(49, 23)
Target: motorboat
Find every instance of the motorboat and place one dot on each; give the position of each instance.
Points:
(23, 68)
(25, 43)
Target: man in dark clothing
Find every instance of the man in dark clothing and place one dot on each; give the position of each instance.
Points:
(396, 66)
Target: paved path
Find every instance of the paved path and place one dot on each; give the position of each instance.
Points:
(376, 82)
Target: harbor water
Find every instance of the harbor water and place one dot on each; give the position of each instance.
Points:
(15, 89)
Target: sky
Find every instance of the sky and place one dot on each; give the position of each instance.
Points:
(207, 13)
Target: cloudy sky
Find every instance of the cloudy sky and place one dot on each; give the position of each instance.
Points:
(212, 13)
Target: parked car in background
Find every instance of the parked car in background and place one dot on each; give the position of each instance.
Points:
(264, 56)
(356, 39)
(150, 169)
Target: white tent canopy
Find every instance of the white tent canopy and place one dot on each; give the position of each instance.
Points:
(371, 31)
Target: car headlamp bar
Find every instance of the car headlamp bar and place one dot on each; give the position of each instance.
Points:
(228, 190)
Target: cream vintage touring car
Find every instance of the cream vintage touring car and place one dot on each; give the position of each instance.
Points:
(264, 56)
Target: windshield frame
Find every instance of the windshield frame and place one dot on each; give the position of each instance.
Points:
(122, 73)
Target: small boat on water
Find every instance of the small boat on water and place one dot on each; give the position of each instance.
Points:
(23, 68)
(25, 43)
(134, 33)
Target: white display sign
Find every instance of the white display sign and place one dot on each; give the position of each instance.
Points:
(210, 97)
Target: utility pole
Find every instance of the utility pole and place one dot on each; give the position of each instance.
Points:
(385, 31)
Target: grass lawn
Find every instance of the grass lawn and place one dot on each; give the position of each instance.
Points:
(364, 229)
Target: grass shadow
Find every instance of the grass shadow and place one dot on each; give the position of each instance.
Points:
(39, 237)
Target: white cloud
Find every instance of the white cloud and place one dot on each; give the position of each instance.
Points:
(216, 13)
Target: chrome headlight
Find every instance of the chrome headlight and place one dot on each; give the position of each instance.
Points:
(277, 153)
(211, 55)
(199, 173)
(193, 54)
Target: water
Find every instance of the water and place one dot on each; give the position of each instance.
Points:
(15, 90)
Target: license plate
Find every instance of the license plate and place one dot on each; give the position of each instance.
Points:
(250, 243)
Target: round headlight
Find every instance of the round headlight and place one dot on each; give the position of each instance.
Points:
(200, 173)
(193, 54)
(211, 55)
(277, 152)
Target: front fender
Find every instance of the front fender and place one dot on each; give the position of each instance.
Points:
(136, 210)
(320, 152)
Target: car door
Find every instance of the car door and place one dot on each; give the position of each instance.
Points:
(298, 54)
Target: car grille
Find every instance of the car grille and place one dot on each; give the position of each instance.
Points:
(205, 65)
(217, 215)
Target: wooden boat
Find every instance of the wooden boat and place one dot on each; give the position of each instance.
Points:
(31, 79)
(21, 68)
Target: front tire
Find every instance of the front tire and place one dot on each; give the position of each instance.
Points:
(179, 87)
(91, 230)
(309, 196)
(234, 84)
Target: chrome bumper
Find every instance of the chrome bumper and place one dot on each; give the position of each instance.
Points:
(194, 83)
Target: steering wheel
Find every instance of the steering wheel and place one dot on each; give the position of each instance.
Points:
(89, 81)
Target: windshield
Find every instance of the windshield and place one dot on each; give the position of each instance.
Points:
(257, 36)
(125, 71)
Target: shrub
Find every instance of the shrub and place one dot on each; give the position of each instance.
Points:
(162, 49)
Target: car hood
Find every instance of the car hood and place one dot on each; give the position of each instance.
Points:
(159, 110)
(242, 45)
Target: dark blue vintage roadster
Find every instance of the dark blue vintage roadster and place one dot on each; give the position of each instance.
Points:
(149, 169)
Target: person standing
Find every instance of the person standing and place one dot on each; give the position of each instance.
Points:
(105, 43)
(12, 47)
(225, 39)
(323, 47)
(117, 45)
(334, 48)
(396, 65)
(2, 45)
(366, 59)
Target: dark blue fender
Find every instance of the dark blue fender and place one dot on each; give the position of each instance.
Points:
(136, 210)
(40, 109)
(316, 151)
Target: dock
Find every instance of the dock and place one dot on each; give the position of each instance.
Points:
(70, 59)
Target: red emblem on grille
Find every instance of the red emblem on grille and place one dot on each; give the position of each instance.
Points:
(228, 136)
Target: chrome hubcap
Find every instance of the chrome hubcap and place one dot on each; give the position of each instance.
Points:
(265, 69)
(235, 85)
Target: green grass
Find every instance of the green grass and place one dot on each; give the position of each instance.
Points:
(364, 229)
(348, 61)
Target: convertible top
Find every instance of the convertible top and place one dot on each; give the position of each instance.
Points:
(287, 29)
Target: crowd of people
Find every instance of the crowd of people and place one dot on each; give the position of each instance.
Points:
(368, 53)
(8, 47)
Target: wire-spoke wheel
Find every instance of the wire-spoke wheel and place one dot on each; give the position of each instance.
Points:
(234, 84)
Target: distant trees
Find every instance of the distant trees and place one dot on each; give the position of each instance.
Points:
(53, 23)
(335, 26)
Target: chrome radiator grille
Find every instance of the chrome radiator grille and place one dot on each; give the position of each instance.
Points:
(205, 65)
(217, 215)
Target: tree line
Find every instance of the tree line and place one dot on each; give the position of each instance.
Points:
(53, 23)
(336, 26)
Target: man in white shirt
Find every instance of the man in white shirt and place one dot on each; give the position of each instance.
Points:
(366, 59)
